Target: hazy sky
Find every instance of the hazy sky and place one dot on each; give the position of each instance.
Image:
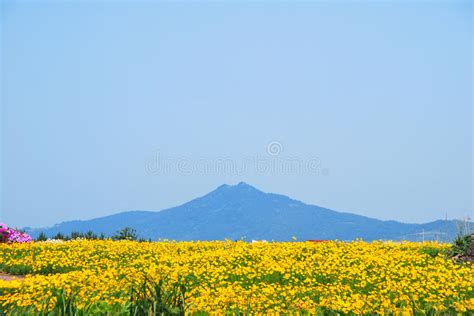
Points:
(117, 106)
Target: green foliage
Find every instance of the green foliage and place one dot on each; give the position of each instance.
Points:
(461, 245)
(126, 233)
(76, 235)
(432, 251)
(60, 236)
(42, 237)
(150, 298)
(90, 235)
(157, 298)
(18, 269)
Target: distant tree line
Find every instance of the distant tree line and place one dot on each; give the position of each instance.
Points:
(126, 233)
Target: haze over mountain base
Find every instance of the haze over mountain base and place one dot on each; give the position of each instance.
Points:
(244, 212)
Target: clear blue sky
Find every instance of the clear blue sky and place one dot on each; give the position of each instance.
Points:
(379, 92)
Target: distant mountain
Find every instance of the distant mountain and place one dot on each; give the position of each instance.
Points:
(244, 212)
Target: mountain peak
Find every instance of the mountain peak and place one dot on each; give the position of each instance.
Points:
(239, 189)
(241, 186)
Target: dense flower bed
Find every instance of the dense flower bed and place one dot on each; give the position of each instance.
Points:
(236, 277)
(12, 235)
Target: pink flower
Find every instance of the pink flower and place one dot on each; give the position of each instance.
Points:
(12, 235)
(3, 227)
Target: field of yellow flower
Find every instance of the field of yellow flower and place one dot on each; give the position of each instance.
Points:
(126, 277)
